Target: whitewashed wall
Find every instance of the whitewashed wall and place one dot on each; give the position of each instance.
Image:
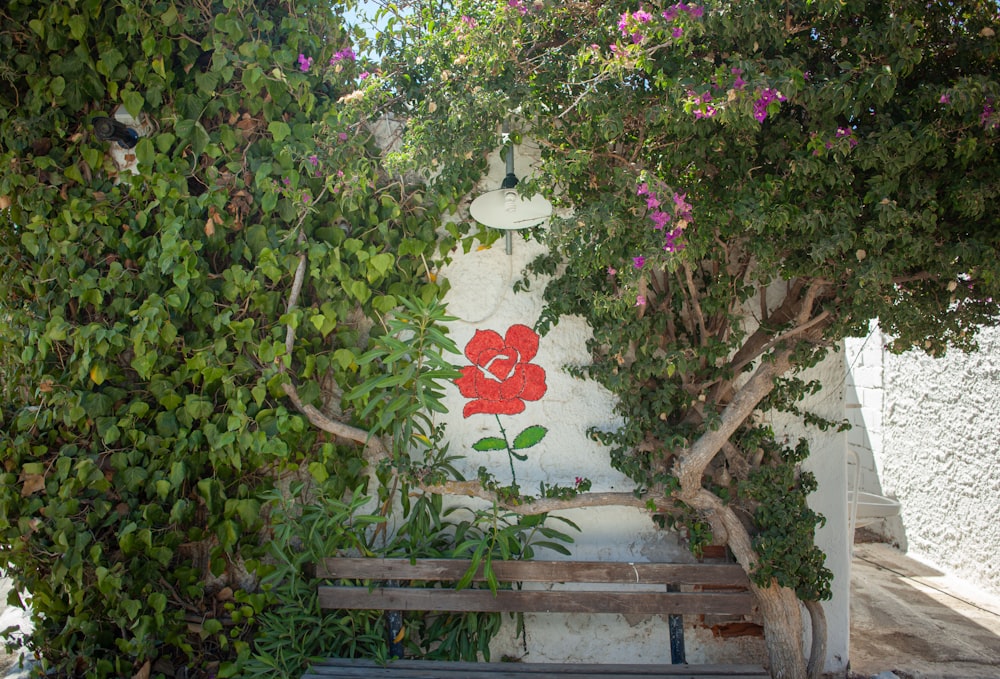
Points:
(482, 298)
(929, 436)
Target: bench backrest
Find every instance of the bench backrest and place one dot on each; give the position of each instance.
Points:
(595, 587)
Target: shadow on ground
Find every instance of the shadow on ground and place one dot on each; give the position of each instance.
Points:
(917, 622)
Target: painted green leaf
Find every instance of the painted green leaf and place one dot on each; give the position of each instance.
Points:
(529, 437)
(489, 443)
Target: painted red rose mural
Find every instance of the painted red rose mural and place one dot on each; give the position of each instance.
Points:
(501, 377)
(499, 381)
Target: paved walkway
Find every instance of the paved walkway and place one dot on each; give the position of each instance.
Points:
(905, 618)
(918, 623)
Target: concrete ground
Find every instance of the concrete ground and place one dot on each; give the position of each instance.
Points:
(916, 622)
(906, 619)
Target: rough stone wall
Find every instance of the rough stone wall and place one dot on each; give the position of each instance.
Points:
(933, 436)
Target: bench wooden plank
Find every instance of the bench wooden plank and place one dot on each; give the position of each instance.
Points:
(712, 575)
(534, 601)
(336, 668)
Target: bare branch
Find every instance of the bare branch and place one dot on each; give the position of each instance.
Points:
(540, 505)
(695, 305)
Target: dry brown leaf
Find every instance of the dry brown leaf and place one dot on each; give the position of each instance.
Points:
(31, 483)
(144, 671)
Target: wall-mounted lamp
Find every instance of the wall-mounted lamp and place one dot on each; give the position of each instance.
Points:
(504, 209)
(109, 129)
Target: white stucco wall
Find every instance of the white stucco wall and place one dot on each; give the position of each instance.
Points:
(482, 299)
(932, 430)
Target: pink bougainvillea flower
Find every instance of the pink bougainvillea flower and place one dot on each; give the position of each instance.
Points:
(638, 262)
(501, 377)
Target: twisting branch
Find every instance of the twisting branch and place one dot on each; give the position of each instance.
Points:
(539, 505)
(375, 449)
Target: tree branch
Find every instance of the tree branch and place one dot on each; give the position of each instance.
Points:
(691, 464)
(540, 505)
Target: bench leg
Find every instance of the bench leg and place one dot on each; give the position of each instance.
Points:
(675, 625)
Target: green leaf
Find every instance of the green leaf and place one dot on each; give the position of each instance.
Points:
(489, 443)
(529, 437)
(279, 130)
(133, 102)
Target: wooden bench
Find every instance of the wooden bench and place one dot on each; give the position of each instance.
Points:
(707, 589)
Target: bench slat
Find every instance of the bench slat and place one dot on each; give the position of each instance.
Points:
(533, 601)
(713, 575)
(336, 668)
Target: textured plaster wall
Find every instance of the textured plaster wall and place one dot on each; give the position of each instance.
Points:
(936, 448)
(482, 299)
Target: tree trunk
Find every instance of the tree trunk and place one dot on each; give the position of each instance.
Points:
(782, 630)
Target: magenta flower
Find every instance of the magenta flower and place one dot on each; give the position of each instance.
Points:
(314, 161)
(305, 63)
(659, 219)
(612, 271)
(652, 202)
(638, 262)
(363, 75)
(346, 54)
(766, 96)
(677, 32)
(643, 189)
(945, 99)
(342, 136)
(640, 300)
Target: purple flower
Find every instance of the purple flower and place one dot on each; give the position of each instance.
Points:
(305, 63)
(342, 136)
(945, 99)
(623, 24)
(638, 262)
(612, 271)
(659, 219)
(708, 111)
(518, 5)
(696, 11)
(345, 54)
(640, 300)
(677, 32)
(643, 189)
(672, 244)
(652, 202)
(670, 14)
(766, 96)
(363, 75)
(642, 17)
(314, 161)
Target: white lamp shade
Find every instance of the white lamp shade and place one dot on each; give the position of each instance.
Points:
(505, 209)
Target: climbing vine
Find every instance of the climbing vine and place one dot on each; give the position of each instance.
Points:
(176, 310)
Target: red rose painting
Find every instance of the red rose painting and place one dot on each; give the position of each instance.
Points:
(501, 377)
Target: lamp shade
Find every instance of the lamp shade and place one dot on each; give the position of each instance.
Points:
(505, 209)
